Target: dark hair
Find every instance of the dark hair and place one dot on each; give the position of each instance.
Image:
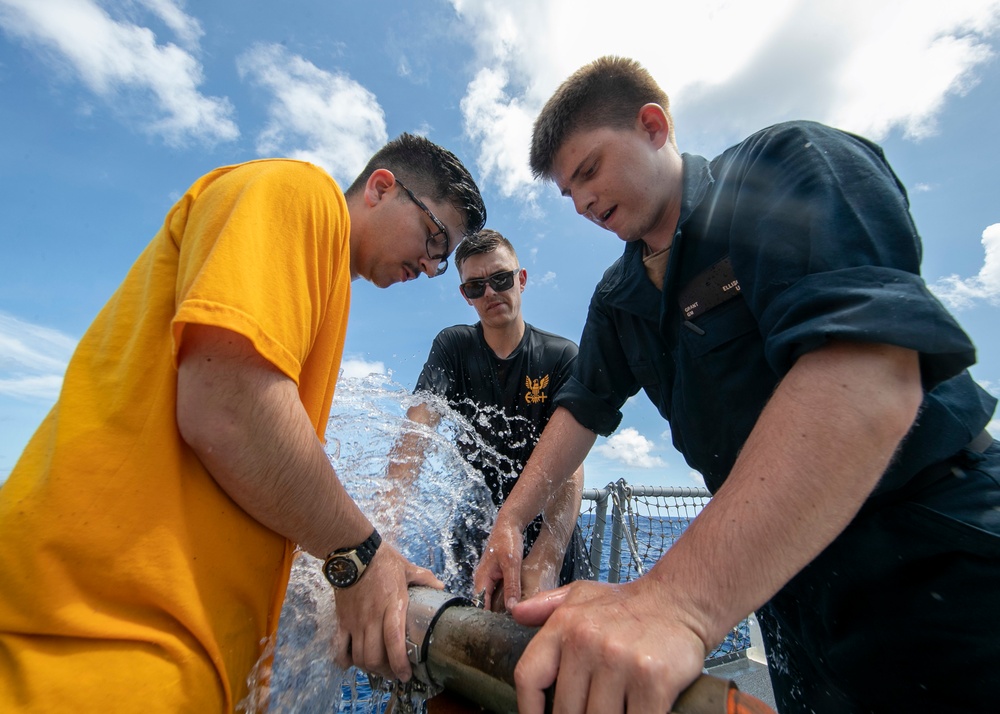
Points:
(608, 92)
(483, 241)
(432, 171)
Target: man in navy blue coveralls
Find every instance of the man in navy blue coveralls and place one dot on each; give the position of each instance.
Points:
(770, 305)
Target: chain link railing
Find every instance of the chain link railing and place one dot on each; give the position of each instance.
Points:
(645, 522)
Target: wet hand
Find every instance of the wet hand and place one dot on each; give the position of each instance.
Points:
(613, 648)
(371, 615)
(500, 566)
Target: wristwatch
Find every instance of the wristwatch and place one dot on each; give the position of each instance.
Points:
(345, 567)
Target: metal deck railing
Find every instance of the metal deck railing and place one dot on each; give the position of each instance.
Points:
(644, 522)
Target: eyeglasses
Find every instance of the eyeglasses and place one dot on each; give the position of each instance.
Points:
(500, 282)
(431, 239)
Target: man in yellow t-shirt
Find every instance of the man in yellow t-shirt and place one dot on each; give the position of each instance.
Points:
(146, 533)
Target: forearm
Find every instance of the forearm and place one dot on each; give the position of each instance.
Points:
(559, 518)
(406, 458)
(558, 454)
(409, 447)
(407, 454)
(816, 453)
(248, 427)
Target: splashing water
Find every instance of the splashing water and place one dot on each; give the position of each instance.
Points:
(419, 518)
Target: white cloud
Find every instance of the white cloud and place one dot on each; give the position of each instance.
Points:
(32, 359)
(501, 125)
(870, 66)
(44, 387)
(631, 448)
(959, 293)
(323, 117)
(906, 59)
(155, 85)
(548, 279)
(697, 478)
(359, 368)
(403, 67)
(187, 29)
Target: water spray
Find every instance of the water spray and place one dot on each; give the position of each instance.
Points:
(460, 648)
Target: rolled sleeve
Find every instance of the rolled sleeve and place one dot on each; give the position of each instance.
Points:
(865, 304)
(587, 408)
(823, 226)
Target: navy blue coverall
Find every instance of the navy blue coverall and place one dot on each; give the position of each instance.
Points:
(797, 236)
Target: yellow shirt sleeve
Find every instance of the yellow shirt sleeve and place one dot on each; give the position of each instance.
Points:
(256, 256)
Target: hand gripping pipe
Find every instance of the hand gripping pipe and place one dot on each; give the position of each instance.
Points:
(471, 652)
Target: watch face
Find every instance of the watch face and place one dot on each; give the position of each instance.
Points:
(341, 572)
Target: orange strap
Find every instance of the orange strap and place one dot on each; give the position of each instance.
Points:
(742, 703)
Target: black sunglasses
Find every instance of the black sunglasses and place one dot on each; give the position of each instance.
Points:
(500, 282)
(432, 238)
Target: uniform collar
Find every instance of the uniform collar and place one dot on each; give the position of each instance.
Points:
(625, 284)
(696, 181)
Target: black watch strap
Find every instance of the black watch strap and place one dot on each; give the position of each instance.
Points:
(366, 551)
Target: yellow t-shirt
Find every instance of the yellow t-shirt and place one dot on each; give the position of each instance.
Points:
(128, 579)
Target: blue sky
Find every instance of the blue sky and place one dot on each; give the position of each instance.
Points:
(110, 109)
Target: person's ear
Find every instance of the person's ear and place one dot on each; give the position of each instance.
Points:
(522, 278)
(377, 185)
(653, 122)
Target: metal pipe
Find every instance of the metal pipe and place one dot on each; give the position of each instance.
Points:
(473, 653)
(600, 530)
(617, 533)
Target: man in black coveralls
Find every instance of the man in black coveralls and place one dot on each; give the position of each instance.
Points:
(769, 303)
(502, 375)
